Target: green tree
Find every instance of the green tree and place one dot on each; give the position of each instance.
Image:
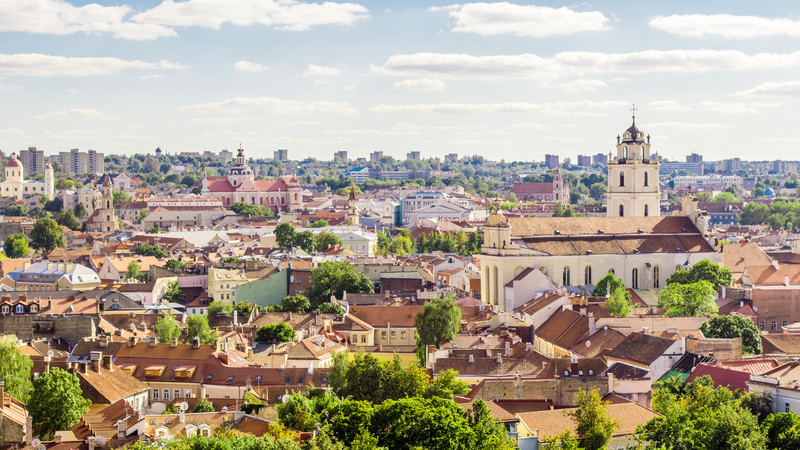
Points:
(782, 431)
(47, 235)
(401, 246)
(80, 210)
(486, 432)
(16, 246)
(16, 210)
(563, 441)
(439, 321)
(151, 250)
(619, 303)
(330, 308)
(175, 265)
(296, 304)
(319, 224)
(297, 412)
(120, 196)
(198, 328)
(594, 426)
(729, 327)
(688, 300)
(305, 240)
(167, 328)
(243, 309)
(598, 191)
(173, 293)
(284, 235)
(350, 418)
(725, 197)
(142, 215)
(332, 278)
(216, 308)
(56, 402)
(703, 270)
(15, 371)
(279, 332)
(203, 406)
(608, 284)
(67, 218)
(325, 240)
(134, 271)
(446, 385)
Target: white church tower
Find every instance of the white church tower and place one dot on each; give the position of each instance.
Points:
(633, 189)
(49, 182)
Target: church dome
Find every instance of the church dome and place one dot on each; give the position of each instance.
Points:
(13, 162)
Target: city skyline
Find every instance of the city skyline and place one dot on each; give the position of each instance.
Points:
(501, 80)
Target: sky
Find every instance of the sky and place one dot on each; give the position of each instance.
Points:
(504, 80)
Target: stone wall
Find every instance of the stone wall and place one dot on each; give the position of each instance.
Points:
(71, 328)
(561, 390)
(722, 349)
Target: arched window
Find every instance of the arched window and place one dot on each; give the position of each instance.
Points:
(621, 210)
(646, 210)
(621, 179)
(635, 278)
(496, 297)
(646, 179)
(487, 284)
(625, 152)
(587, 275)
(565, 277)
(656, 275)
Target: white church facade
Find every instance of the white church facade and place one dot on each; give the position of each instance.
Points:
(15, 185)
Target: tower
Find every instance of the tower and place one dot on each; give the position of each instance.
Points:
(105, 220)
(14, 178)
(240, 172)
(295, 194)
(352, 204)
(49, 182)
(633, 189)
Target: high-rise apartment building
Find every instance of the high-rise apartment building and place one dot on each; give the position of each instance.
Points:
(280, 155)
(32, 160)
(413, 156)
(340, 156)
(451, 158)
(375, 156)
(77, 162)
(584, 160)
(551, 161)
(600, 158)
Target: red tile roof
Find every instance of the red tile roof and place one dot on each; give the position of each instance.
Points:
(732, 379)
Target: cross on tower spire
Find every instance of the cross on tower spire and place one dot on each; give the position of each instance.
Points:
(633, 113)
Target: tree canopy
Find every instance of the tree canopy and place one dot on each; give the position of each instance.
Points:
(279, 332)
(618, 303)
(704, 270)
(284, 235)
(151, 250)
(594, 426)
(332, 278)
(197, 326)
(607, 285)
(15, 371)
(729, 327)
(16, 246)
(47, 235)
(168, 328)
(56, 402)
(439, 321)
(687, 300)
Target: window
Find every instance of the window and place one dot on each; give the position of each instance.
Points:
(383, 334)
(169, 421)
(565, 277)
(20, 309)
(646, 210)
(155, 394)
(5, 309)
(774, 326)
(761, 326)
(587, 275)
(785, 323)
(645, 180)
(635, 278)
(621, 210)
(280, 398)
(187, 393)
(166, 394)
(258, 379)
(152, 421)
(229, 379)
(656, 276)
(621, 179)
(288, 380)
(786, 407)
(300, 380)
(177, 393)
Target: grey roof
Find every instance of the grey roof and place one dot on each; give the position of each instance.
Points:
(78, 273)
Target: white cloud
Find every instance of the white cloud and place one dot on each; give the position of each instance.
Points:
(321, 71)
(59, 17)
(522, 20)
(283, 14)
(420, 85)
(666, 105)
(737, 107)
(725, 25)
(528, 126)
(687, 125)
(250, 67)
(455, 65)
(152, 76)
(582, 85)
(240, 105)
(555, 108)
(774, 88)
(82, 113)
(38, 65)
(10, 131)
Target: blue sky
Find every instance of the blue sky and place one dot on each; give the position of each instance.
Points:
(503, 80)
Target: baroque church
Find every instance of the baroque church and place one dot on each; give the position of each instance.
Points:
(15, 185)
(633, 242)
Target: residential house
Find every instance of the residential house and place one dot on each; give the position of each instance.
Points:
(223, 282)
(653, 354)
(50, 276)
(775, 291)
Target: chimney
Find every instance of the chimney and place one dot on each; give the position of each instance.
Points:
(173, 343)
(28, 430)
(499, 359)
(47, 363)
(470, 359)
(103, 342)
(121, 434)
(786, 280)
(108, 362)
(573, 367)
(583, 311)
(90, 440)
(195, 342)
(57, 438)
(95, 358)
(153, 342)
(645, 330)
(776, 265)
(84, 367)
(132, 341)
(508, 349)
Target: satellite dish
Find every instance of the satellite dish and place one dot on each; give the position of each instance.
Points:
(184, 406)
(100, 440)
(50, 353)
